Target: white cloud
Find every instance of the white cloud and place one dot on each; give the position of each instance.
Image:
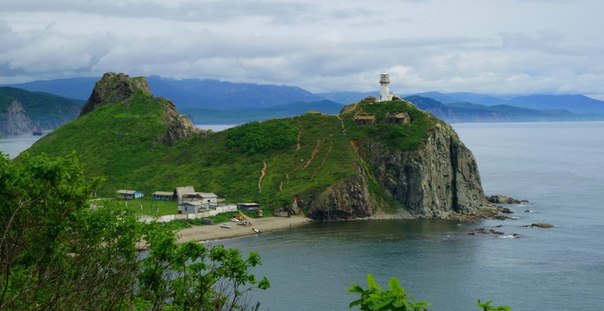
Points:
(492, 47)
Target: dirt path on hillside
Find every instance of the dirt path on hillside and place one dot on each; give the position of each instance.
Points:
(263, 171)
(314, 153)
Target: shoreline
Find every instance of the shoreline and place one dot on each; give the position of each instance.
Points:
(215, 232)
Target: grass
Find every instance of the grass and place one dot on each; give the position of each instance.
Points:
(304, 155)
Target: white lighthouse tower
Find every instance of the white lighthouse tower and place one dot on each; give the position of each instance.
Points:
(385, 94)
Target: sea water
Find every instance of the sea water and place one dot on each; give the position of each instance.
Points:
(558, 167)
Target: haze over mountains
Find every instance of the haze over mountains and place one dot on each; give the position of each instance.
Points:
(220, 102)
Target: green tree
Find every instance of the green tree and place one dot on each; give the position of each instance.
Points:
(191, 276)
(375, 298)
(61, 251)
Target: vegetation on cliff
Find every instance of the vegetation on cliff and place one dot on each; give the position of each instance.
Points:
(300, 162)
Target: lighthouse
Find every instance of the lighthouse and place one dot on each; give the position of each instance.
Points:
(385, 94)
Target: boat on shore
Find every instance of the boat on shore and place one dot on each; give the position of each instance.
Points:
(226, 226)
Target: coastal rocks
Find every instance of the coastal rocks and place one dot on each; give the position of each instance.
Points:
(113, 88)
(541, 225)
(345, 200)
(14, 120)
(502, 199)
(493, 232)
(438, 180)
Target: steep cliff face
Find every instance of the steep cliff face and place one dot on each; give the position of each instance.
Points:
(14, 120)
(178, 127)
(436, 176)
(437, 180)
(345, 200)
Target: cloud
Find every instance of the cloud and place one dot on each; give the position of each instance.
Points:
(505, 47)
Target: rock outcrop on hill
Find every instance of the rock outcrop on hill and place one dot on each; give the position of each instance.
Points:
(179, 126)
(117, 87)
(14, 120)
(114, 88)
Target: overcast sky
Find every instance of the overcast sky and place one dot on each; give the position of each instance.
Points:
(486, 46)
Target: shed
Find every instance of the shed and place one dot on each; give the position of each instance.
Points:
(129, 194)
(364, 120)
(397, 118)
(179, 192)
(163, 196)
(248, 206)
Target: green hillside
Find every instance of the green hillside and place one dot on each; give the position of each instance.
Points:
(270, 162)
(47, 111)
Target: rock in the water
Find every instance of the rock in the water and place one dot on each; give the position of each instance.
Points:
(542, 225)
(502, 199)
(505, 210)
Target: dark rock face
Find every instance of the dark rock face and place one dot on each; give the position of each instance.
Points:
(438, 180)
(346, 200)
(14, 120)
(179, 126)
(113, 88)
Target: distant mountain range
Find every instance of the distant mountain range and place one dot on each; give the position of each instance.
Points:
(215, 102)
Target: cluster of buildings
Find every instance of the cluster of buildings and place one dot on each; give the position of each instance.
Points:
(189, 200)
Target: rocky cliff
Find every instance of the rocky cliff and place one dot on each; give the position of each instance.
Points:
(437, 179)
(14, 120)
(24, 111)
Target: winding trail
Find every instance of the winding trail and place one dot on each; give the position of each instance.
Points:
(314, 153)
(263, 171)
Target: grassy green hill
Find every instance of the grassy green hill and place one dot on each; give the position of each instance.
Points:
(269, 162)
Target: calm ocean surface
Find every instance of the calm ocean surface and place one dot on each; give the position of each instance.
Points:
(558, 167)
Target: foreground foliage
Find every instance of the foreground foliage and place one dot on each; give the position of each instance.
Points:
(376, 298)
(58, 253)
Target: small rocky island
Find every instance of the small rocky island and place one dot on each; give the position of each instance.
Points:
(378, 158)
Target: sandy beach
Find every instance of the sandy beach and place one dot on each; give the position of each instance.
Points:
(215, 232)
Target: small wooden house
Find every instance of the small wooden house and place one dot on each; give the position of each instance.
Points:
(397, 118)
(364, 120)
(163, 196)
(129, 194)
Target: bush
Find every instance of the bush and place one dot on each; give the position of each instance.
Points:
(257, 137)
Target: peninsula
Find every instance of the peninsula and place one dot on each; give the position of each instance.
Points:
(374, 158)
